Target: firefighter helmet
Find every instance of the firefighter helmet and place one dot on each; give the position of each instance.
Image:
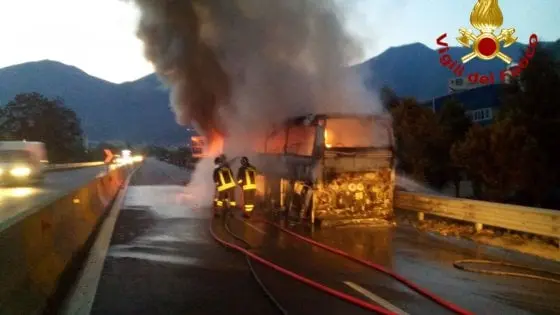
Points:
(244, 161)
(218, 160)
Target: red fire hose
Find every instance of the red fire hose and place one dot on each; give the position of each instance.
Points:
(450, 306)
(307, 281)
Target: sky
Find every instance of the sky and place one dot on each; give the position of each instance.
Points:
(98, 36)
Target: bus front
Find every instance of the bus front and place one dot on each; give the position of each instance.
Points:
(356, 178)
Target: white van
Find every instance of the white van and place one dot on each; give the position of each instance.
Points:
(22, 161)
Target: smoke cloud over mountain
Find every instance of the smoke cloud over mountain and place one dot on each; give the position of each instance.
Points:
(232, 64)
(236, 67)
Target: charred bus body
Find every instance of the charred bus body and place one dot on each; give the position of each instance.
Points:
(329, 168)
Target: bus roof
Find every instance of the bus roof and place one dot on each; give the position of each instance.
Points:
(315, 117)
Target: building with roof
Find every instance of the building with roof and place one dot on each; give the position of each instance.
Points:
(460, 84)
(481, 103)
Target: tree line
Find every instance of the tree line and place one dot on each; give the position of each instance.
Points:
(513, 160)
(34, 117)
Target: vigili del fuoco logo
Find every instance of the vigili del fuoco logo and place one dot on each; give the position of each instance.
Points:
(486, 17)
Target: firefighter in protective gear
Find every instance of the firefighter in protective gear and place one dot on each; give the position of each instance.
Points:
(246, 178)
(225, 184)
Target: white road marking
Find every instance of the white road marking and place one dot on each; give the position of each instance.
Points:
(80, 299)
(254, 227)
(377, 299)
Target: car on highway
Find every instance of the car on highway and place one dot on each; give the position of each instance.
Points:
(22, 162)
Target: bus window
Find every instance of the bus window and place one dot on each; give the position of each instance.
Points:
(356, 132)
(301, 140)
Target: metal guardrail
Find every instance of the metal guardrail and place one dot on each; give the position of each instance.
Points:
(69, 166)
(535, 221)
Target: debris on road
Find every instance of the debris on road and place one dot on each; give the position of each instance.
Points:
(521, 242)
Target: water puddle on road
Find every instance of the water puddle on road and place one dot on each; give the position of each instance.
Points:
(172, 259)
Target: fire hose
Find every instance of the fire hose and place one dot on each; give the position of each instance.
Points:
(460, 264)
(252, 269)
(448, 305)
(326, 289)
(307, 281)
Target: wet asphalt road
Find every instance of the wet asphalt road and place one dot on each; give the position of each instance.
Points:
(162, 260)
(421, 258)
(16, 201)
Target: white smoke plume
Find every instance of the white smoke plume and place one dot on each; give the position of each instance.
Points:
(235, 67)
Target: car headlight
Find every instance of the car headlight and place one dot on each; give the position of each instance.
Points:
(20, 171)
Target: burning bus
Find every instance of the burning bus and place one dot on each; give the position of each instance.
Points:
(327, 168)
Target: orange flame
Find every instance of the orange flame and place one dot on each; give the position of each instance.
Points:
(327, 144)
(215, 144)
(207, 146)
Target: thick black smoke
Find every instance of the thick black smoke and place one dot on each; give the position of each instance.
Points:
(236, 67)
(235, 64)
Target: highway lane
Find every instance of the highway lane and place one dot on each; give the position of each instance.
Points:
(162, 260)
(16, 202)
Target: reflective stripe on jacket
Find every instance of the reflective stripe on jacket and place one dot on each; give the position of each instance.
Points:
(247, 177)
(223, 178)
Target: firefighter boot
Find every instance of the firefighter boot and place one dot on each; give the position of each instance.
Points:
(218, 208)
(248, 210)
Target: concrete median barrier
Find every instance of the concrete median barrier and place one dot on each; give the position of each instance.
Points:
(38, 251)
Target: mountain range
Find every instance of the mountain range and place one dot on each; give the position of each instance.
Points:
(139, 112)
(415, 70)
(134, 111)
